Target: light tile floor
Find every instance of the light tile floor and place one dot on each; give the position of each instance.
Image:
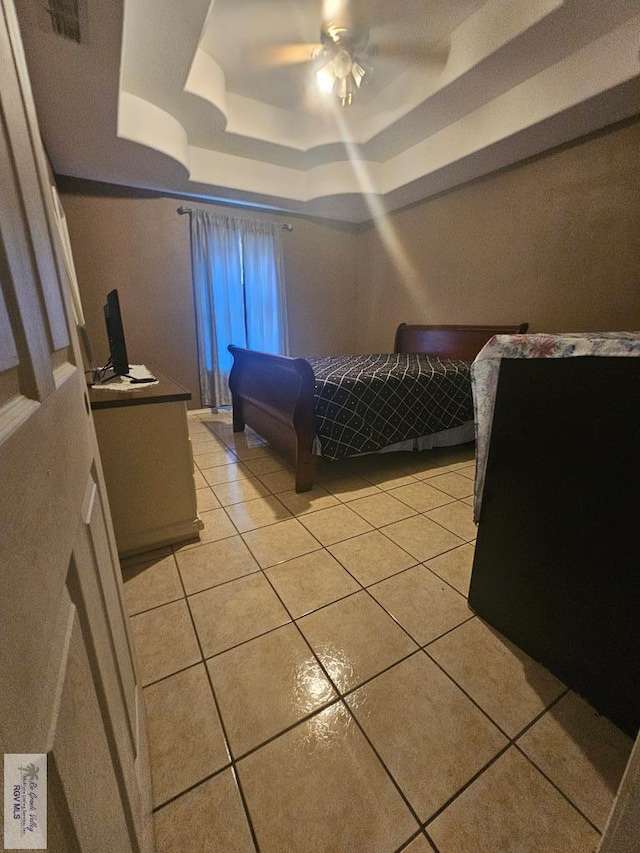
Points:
(315, 680)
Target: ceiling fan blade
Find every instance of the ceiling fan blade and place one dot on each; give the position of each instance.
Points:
(275, 55)
(344, 22)
(412, 52)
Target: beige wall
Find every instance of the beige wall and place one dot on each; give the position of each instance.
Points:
(136, 241)
(554, 241)
(321, 274)
(140, 246)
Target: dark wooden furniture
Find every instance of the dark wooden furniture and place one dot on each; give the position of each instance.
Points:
(557, 558)
(275, 394)
(461, 342)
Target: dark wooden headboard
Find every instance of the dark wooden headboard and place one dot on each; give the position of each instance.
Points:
(461, 342)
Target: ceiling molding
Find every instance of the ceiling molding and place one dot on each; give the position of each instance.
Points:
(147, 105)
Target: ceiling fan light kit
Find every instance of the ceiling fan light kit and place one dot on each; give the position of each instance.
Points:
(342, 36)
(343, 74)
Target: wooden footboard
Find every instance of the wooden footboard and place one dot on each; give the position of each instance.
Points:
(274, 395)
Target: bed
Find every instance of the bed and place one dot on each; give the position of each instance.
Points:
(347, 405)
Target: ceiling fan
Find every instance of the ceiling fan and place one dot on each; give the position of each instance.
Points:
(340, 53)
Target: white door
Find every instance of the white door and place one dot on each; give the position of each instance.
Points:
(68, 687)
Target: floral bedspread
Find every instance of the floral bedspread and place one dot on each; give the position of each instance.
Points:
(486, 367)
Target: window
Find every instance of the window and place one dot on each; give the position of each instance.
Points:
(239, 295)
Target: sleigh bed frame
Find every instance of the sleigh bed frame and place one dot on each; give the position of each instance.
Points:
(274, 395)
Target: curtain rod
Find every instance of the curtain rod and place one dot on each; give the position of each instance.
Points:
(287, 226)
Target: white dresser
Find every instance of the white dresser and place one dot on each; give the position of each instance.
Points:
(148, 466)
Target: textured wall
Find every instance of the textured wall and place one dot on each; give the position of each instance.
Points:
(136, 241)
(554, 241)
(141, 246)
(320, 269)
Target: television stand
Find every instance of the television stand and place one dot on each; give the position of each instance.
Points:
(148, 467)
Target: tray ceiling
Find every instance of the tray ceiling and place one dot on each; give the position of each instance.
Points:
(176, 97)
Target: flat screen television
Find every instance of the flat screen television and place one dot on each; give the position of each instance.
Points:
(118, 364)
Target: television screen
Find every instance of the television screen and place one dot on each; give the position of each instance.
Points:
(117, 347)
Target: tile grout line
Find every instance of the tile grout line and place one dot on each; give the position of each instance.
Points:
(379, 530)
(365, 589)
(342, 696)
(553, 784)
(413, 837)
(444, 469)
(298, 516)
(464, 787)
(419, 647)
(430, 839)
(355, 592)
(188, 789)
(453, 680)
(245, 805)
(511, 742)
(292, 621)
(329, 604)
(221, 720)
(341, 700)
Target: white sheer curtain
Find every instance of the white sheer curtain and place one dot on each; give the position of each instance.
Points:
(239, 294)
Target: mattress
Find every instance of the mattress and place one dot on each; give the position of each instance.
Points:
(366, 402)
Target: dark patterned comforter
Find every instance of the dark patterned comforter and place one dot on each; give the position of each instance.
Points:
(367, 402)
